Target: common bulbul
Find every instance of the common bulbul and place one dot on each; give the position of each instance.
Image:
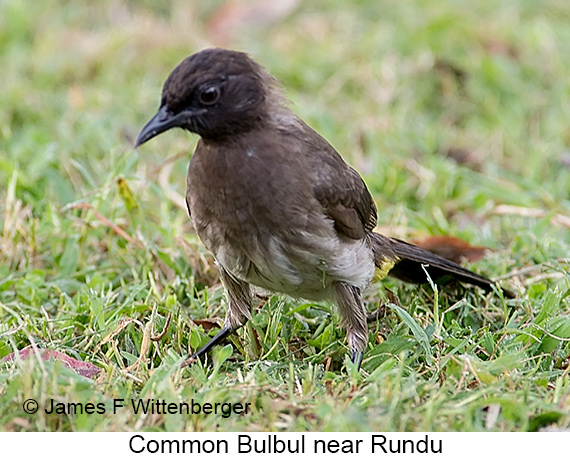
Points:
(275, 203)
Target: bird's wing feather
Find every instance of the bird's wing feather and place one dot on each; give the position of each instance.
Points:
(341, 191)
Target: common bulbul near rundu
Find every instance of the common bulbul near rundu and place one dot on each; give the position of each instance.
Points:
(275, 203)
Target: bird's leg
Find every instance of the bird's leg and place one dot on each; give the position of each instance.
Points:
(353, 319)
(356, 358)
(239, 312)
(239, 293)
(219, 338)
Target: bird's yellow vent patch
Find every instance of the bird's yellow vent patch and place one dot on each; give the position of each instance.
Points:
(383, 270)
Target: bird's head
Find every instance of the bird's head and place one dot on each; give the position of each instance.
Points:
(214, 93)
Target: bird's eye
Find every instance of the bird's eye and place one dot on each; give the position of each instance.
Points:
(210, 95)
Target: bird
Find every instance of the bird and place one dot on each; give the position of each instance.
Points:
(275, 203)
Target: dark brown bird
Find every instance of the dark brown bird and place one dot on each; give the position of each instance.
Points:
(275, 203)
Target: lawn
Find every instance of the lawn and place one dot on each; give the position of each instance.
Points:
(457, 115)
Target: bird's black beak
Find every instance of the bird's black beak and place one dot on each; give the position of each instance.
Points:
(162, 121)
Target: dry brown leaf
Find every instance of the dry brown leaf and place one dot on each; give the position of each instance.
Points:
(85, 369)
(236, 15)
(452, 248)
(207, 324)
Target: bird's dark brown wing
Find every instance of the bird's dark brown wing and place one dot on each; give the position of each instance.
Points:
(341, 191)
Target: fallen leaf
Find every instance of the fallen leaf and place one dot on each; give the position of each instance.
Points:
(452, 248)
(501, 48)
(464, 157)
(85, 369)
(207, 324)
(236, 15)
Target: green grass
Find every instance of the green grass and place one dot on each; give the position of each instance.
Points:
(394, 86)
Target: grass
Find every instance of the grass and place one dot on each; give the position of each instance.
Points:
(457, 116)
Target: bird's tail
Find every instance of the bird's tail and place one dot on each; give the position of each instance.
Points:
(411, 263)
